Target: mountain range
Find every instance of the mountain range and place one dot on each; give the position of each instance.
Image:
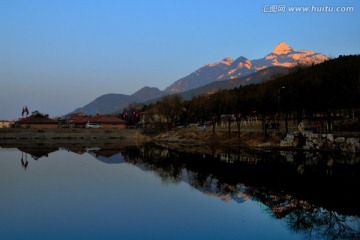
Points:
(227, 73)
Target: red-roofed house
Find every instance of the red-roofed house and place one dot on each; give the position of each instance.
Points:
(37, 120)
(106, 121)
(68, 120)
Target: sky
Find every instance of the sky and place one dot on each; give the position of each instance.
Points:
(56, 56)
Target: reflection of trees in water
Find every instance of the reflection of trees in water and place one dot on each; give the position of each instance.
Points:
(196, 170)
(313, 221)
(269, 182)
(168, 171)
(327, 161)
(320, 223)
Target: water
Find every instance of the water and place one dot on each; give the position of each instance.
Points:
(154, 193)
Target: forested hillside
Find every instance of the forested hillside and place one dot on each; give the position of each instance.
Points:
(321, 89)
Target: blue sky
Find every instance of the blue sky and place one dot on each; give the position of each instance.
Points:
(56, 56)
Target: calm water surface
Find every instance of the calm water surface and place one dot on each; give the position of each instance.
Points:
(147, 193)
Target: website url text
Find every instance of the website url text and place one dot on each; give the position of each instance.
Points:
(282, 8)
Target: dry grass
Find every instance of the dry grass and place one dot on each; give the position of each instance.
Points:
(193, 136)
(186, 137)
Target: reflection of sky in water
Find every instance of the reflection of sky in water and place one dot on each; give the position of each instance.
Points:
(71, 196)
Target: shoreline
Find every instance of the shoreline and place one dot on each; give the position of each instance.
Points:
(187, 139)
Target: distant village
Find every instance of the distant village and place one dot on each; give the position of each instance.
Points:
(73, 120)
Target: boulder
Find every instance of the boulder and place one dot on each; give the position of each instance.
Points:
(339, 140)
(347, 147)
(353, 141)
(330, 138)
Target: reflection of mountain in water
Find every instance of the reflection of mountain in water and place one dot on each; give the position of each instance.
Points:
(211, 186)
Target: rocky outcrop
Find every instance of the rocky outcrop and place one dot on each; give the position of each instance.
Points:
(312, 141)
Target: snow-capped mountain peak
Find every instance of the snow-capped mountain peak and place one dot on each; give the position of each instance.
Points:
(282, 48)
(282, 55)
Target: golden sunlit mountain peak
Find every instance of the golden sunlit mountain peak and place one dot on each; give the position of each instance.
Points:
(282, 48)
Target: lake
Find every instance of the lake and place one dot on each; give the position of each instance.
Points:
(150, 192)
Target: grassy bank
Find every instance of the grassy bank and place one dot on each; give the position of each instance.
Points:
(192, 137)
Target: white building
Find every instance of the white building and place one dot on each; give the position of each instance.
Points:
(6, 123)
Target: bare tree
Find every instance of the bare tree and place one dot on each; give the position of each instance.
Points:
(170, 107)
